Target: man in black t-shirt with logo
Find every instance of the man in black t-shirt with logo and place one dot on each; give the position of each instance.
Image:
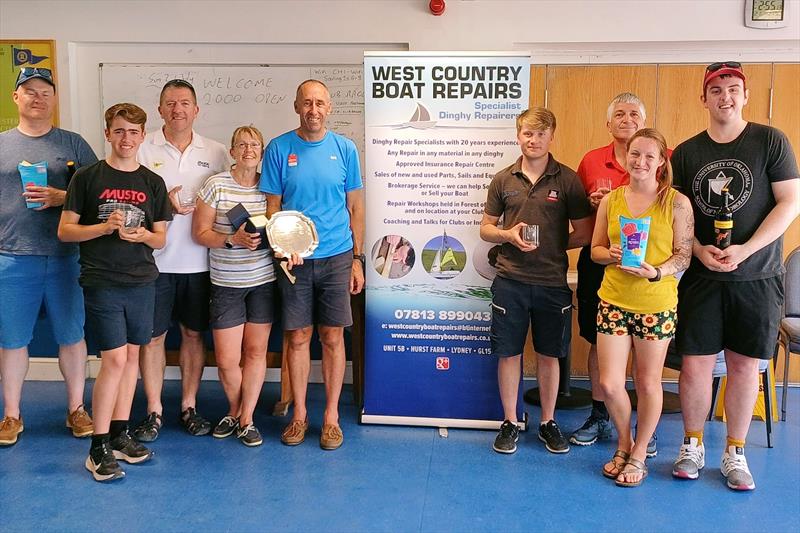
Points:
(731, 299)
(117, 210)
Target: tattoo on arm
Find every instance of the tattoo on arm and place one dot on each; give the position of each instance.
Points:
(682, 250)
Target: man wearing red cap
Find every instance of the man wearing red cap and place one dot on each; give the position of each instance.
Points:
(731, 298)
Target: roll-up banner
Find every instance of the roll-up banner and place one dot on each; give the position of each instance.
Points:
(438, 126)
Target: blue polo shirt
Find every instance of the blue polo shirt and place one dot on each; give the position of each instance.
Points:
(314, 178)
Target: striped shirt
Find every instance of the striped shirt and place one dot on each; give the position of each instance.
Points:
(237, 267)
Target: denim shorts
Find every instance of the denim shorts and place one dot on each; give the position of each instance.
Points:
(233, 306)
(27, 281)
(116, 316)
(547, 310)
(321, 294)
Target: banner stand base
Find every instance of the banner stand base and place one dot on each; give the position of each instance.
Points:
(461, 423)
(576, 398)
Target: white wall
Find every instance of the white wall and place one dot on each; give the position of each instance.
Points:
(319, 31)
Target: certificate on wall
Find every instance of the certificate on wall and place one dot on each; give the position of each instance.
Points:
(14, 55)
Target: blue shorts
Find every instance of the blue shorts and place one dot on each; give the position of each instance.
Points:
(116, 316)
(233, 306)
(182, 298)
(548, 311)
(321, 294)
(28, 280)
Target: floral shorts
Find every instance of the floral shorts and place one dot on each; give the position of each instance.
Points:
(612, 320)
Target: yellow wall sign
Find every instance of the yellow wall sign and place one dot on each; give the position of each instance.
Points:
(15, 54)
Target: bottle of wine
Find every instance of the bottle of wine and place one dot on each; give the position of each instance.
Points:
(723, 222)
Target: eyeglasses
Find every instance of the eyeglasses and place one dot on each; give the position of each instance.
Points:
(255, 145)
(27, 73)
(713, 67)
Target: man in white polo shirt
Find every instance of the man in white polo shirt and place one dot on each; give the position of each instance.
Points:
(184, 160)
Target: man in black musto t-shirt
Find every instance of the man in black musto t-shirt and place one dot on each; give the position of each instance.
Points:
(118, 211)
(731, 299)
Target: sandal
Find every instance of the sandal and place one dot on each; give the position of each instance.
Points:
(617, 465)
(634, 466)
(147, 430)
(194, 423)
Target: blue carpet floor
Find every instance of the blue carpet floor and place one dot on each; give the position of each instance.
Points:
(384, 478)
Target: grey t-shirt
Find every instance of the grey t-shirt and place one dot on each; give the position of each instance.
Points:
(26, 231)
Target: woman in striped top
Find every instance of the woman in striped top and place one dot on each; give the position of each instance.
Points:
(242, 283)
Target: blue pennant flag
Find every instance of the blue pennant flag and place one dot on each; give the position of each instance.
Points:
(24, 56)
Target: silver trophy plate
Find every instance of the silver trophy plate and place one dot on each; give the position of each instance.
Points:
(291, 232)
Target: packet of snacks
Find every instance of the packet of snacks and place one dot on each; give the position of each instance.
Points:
(633, 240)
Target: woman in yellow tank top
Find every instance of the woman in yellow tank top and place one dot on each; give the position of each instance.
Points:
(637, 304)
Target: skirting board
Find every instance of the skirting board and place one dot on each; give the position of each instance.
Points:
(46, 369)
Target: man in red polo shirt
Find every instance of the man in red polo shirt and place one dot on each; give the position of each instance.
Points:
(602, 170)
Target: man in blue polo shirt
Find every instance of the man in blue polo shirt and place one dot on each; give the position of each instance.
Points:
(317, 172)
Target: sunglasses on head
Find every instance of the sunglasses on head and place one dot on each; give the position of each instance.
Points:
(26, 73)
(713, 67)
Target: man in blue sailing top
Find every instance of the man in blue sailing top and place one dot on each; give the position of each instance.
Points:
(317, 172)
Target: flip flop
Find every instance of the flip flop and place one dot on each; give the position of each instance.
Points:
(618, 465)
(634, 466)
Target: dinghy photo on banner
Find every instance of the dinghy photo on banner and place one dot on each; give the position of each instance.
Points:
(438, 126)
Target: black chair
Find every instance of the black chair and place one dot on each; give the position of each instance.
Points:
(789, 334)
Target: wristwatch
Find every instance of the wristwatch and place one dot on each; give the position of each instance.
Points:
(228, 243)
(657, 278)
(360, 257)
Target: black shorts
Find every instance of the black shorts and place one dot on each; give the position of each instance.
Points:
(320, 295)
(119, 315)
(183, 298)
(590, 277)
(231, 306)
(742, 316)
(515, 306)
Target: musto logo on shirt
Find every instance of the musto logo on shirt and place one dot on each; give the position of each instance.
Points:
(712, 178)
(124, 195)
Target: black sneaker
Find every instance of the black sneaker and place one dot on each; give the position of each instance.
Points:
(194, 423)
(147, 430)
(506, 440)
(249, 435)
(102, 464)
(553, 439)
(225, 427)
(128, 449)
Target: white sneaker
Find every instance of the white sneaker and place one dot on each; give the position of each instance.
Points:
(691, 459)
(734, 468)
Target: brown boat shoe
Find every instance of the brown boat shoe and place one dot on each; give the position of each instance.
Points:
(10, 428)
(80, 422)
(295, 432)
(331, 437)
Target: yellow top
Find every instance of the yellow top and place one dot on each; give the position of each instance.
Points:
(632, 293)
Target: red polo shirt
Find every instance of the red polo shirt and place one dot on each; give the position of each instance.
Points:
(601, 163)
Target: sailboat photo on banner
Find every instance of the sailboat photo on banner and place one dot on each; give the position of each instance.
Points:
(444, 257)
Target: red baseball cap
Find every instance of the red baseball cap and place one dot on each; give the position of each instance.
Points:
(725, 68)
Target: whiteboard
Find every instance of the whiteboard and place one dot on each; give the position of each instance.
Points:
(235, 95)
